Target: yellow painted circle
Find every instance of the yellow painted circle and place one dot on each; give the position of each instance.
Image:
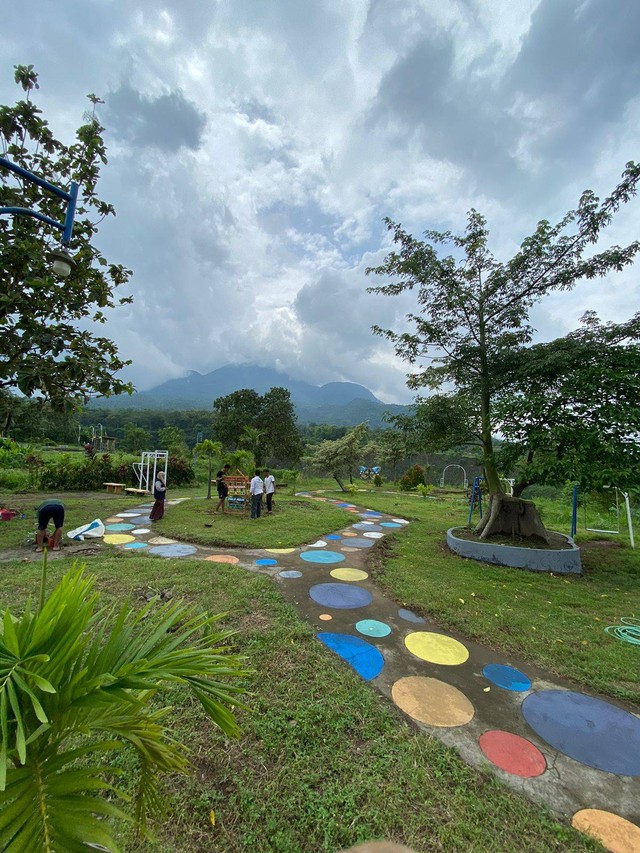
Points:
(612, 831)
(431, 701)
(436, 648)
(280, 550)
(118, 538)
(222, 558)
(349, 574)
(115, 519)
(326, 617)
(162, 540)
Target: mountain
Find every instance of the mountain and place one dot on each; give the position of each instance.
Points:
(342, 403)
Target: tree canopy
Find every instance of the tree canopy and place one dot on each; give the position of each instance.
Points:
(342, 456)
(45, 349)
(473, 310)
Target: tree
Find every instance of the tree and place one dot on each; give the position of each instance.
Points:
(252, 440)
(136, 439)
(278, 420)
(571, 411)
(234, 412)
(172, 438)
(210, 450)
(342, 456)
(42, 349)
(473, 313)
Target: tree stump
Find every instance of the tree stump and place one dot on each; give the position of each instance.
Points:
(511, 516)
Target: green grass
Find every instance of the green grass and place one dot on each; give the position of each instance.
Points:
(324, 761)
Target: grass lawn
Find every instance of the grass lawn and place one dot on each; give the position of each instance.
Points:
(324, 761)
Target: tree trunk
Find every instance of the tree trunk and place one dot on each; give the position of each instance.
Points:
(511, 516)
(339, 482)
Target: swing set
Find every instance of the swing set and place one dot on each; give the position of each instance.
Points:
(619, 493)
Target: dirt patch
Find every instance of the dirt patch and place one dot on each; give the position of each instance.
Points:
(557, 542)
(598, 543)
(28, 554)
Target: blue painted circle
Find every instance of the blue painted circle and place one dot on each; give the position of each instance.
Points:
(135, 545)
(588, 730)
(390, 524)
(506, 677)
(356, 542)
(290, 573)
(362, 656)
(176, 550)
(344, 504)
(333, 536)
(321, 557)
(373, 628)
(362, 525)
(410, 616)
(266, 562)
(342, 596)
(121, 525)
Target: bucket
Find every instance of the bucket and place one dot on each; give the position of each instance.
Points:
(7, 514)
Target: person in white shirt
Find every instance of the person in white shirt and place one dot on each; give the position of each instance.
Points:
(269, 489)
(256, 489)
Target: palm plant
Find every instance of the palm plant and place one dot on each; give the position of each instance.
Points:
(210, 450)
(77, 681)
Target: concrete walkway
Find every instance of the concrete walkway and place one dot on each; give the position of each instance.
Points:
(543, 737)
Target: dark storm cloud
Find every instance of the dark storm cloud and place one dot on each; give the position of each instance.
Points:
(168, 122)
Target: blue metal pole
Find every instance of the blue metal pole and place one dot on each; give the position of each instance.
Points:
(34, 179)
(24, 211)
(71, 212)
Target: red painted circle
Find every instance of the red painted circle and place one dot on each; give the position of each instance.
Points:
(513, 754)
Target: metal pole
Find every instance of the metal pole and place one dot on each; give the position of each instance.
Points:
(574, 512)
(629, 521)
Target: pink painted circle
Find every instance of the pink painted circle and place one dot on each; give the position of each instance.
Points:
(513, 754)
(222, 558)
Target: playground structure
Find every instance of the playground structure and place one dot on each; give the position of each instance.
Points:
(238, 498)
(616, 532)
(368, 473)
(465, 481)
(99, 441)
(151, 462)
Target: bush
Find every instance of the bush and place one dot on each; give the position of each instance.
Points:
(412, 478)
(11, 454)
(14, 479)
(377, 480)
(180, 472)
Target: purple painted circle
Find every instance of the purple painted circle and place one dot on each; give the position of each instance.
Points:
(342, 596)
(357, 542)
(176, 550)
(121, 525)
(588, 730)
(362, 656)
(410, 616)
(321, 557)
(370, 514)
(136, 545)
(506, 677)
(290, 573)
(266, 562)
(390, 524)
(363, 525)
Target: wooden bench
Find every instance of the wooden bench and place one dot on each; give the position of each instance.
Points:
(114, 487)
(132, 491)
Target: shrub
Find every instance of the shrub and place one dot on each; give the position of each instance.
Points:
(180, 472)
(377, 480)
(13, 479)
(412, 478)
(11, 454)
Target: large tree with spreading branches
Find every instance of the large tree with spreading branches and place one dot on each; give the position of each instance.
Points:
(47, 348)
(473, 312)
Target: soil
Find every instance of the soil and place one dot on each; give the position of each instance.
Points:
(557, 542)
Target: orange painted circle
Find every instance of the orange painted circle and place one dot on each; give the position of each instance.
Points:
(612, 831)
(325, 617)
(431, 701)
(222, 558)
(349, 533)
(513, 754)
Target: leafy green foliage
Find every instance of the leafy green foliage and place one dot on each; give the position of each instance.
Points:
(210, 450)
(78, 682)
(412, 478)
(340, 457)
(43, 348)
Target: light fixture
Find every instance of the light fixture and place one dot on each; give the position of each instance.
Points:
(63, 263)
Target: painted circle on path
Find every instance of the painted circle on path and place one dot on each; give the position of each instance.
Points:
(178, 550)
(349, 533)
(372, 513)
(612, 831)
(161, 540)
(373, 535)
(319, 544)
(290, 573)
(333, 536)
(326, 617)
(119, 527)
(436, 648)
(266, 562)
(507, 677)
(118, 538)
(588, 730)
(279, 550)
(410, 616)
(513, 754)
(136, 545)
(431, 701)
(358, 653)
(222, 558)
(138, 531)
(373, 628)
(321, 557)
(348, 550)
(390, 524)
(126, 514)
(349, 574)
(342, 596)
(400, 520)
(366, 525)
(113, 520)
(360, 542)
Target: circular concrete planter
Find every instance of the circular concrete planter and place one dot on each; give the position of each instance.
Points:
(564, 561)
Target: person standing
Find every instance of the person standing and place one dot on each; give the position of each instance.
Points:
(50, 510)
(222, 488)
(269, 489)
(160, 494)
(256, 489)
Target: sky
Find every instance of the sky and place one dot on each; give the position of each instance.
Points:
(255, 147)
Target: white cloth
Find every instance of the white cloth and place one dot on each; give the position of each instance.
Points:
(95, 530)
(269, 484)
(257, 486)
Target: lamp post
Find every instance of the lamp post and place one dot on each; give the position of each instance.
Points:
(62, 260)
